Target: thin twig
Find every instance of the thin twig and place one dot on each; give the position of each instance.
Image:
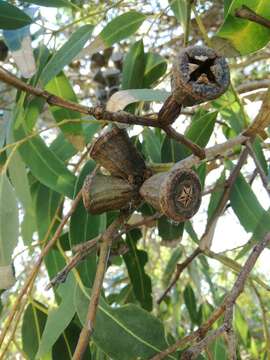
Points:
(244, 12)
(179, 270)
(196, 149)
(85, 249)
(207, 237)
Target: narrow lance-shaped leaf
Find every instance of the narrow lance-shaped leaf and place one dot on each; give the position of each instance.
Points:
(59, 318)
(116, 30)
(133, 67)
(11, 17)
(34, 320)
(245, 204)
(73, 131)
(66, 53)
(45, 166)
(135, 261)
(51, 3)
(9, 231)
(155, 67)
(191, 304)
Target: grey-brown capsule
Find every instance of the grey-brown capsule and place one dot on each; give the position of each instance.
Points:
(176, 194)
(105, 193)
(199, 74)
(116, 153)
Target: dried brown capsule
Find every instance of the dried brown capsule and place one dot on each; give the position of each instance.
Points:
(115, 152)
(199, 74)
(104, 193)
(177, 193)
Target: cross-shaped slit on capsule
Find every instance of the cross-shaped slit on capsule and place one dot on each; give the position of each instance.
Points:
(200, 70)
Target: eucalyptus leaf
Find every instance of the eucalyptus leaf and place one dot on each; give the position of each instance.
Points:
(124, 333)
(241, 33)
(135, 261)
(66, 53)
(11, 17)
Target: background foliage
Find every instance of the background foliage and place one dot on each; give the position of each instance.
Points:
(85, 51)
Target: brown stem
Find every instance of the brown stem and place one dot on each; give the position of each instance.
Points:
(84, 249)
(179, 270)
(245, 12)
(98, 112)
(196, 149)
(87, 330)
(207, 237)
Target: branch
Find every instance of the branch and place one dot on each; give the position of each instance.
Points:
(228, 303)
(179, 270)
(106, 242)
(85, 249)
(207, 237)
(245, 12)
(99, 112)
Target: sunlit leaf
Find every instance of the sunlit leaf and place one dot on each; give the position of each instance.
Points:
(240, 33)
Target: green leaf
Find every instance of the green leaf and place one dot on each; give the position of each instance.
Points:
(121, 27)
(124, 333)
(231, 111)
(11, 17)
(170, 231)
(84, 226)
(179, 8)
(216, 196)
(219, 350)
(190, 302)
(64, 150)
(155, 67)
(171, 266)
(44, 164)
(46, 202)
(66, 344)
(245, 204)
(73, 131)
(19, 179)
(133, 67)
(257, 147)
(116, 30)
(34, 320)
(9, 220)
(135, 261)
(51, 3)
(66, 53)
(152, 145)
(241, 33)
(241, 325)
(59, 318)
